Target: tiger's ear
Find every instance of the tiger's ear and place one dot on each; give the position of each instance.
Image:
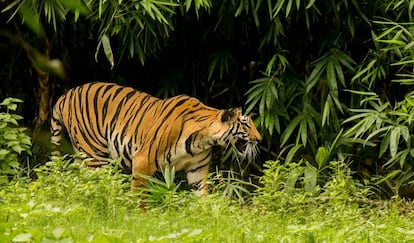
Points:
(230, 114)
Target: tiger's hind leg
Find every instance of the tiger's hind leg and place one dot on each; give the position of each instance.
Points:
(56, 130)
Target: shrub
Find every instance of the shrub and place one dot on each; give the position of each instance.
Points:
(13, 140)
(299, 184)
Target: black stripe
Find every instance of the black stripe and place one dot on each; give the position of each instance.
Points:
(199, 167)
(165, 117)
(197, 185)
(127, 156)
(188, 143)
(169, 157)
(108, 87)
(172, 109)
(89, 132)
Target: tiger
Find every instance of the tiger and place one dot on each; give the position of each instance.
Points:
(108, 121)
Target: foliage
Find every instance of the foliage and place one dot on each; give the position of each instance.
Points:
(162, 192)
(13, 140)
(100, 188)
(307, 106)
(301, 65)
(388, 127)
(231, 186)
(300, 184)
(74, 204)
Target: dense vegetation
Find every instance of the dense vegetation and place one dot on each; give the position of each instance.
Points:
(330, 83)
(68, 203)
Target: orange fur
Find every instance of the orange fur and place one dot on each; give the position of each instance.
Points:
(105, 120)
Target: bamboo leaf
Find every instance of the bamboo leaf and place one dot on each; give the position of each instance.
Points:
(303, 130)
(385, 143)
(345, 60)
(393, 42)
(322, 156)
(326, 111)
(314, 77)
(288, 8)
(31, 18)
(365, 70)
(312, 129)
(339, 73)
(405, 133)
(310, 4)
(108, 50)
(331, 79)
(75, 5)
(402, 63)
(292, 152)
(290, 128)
(377, 132)
(389, 176)
(278, 7)
(394, 140)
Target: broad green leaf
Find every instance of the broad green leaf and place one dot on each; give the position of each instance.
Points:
(405, 132)
(58, 232)
(385, 143)
(75, 5)
(321, 157)
(23, 237)
(293, 178)
(292, 152)
(303, 130)
(31, 18)
(108, 50)
(310, 177)
(394, 140)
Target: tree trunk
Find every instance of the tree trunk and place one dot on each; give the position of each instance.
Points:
(43, 96)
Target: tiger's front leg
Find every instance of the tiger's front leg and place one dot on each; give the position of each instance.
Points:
(197, 179)
(141, 165)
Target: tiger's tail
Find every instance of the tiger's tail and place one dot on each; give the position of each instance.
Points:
(56, 130)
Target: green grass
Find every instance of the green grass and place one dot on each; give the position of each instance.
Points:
(69, 204)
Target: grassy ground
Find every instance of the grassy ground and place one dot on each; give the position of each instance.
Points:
(67, 204)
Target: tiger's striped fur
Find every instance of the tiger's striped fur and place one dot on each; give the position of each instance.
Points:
(105, 120)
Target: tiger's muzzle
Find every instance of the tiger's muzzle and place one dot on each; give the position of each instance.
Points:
(247, 149)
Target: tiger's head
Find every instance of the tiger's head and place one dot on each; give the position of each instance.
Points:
(239, 131)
